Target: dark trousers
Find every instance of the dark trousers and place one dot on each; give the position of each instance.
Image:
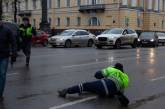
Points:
(103, 87)
(26, 48)
(3, 70)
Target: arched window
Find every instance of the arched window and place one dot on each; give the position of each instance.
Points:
(94, 21)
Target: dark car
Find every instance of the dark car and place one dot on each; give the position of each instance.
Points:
(148, 39)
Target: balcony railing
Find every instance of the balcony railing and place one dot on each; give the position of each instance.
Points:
(96, 7)
(24, 13)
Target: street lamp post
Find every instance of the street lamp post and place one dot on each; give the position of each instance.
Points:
(44, 25)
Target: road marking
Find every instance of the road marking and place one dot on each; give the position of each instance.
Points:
(159, 78)
(78, 65)
(12, 74)
(74, 102)
(96, 62)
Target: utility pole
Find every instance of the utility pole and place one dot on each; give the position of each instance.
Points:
(44, 25)
(1, 9)
(15, 11)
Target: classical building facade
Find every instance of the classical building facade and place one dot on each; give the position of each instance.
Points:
(96, 15)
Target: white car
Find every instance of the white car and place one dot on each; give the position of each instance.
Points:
(117, 37)
(72, 37)
(161, 38)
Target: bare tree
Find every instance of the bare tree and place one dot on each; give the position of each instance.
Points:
(1, 9)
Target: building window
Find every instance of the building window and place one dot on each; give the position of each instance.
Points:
(67, 3)
(7, 7)
(26, 4)
(164, 5)
(150, 4)
(34, 4)
(156, 7)
(67, 21)
(34, 22)
(125, 2)
(93, 2)
(58, 4)
(58, 21)
(141, 4)
(49, 4)
(78, 2)
(50, 21)
(139, 21)
(94, 21)
(126, 21)
(162, 24)
(78, 21)
(134, 3)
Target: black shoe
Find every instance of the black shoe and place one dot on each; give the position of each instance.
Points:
(27, 64)
(1, 98)
(62, 93)
(123, 100)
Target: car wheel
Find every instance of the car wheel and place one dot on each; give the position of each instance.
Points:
(117, 44)
(45, 43)
(54, 46)
(90, 43)
(134, 45)
(98, 46)
(68, 44)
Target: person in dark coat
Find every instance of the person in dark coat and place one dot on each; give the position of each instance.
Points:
(8, 47)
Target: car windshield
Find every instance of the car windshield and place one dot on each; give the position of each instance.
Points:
(113, 31)
(161, 34)
(67, 33)
(147, 35)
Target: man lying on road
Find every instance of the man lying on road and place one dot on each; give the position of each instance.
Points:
(112, 81)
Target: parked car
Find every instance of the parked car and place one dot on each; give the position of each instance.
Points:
(161, 38)
(117, 37)
(148, 39)
(40, 38)
(72, 37)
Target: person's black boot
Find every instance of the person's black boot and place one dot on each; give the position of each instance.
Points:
(62, 93)
(1, 98)
(124, 101)
(27, 61)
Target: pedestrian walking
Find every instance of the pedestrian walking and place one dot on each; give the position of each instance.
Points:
(111, 81)
(8, 48)
(26, 32)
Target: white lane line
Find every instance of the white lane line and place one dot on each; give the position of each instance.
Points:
(12, 74)
(93, 63)
(78, 65)
(74, 102)
(156, 79)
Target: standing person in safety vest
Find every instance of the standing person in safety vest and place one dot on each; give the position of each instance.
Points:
(26, 32)
(112, 81)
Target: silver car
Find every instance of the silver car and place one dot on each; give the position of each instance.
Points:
(72, 37)
(117, 37)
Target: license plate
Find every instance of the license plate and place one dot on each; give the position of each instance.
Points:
(144, 42)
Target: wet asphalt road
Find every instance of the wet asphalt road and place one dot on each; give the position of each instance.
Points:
(52, 69)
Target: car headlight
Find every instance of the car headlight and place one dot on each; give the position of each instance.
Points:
(139, 40)
(152, 40)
